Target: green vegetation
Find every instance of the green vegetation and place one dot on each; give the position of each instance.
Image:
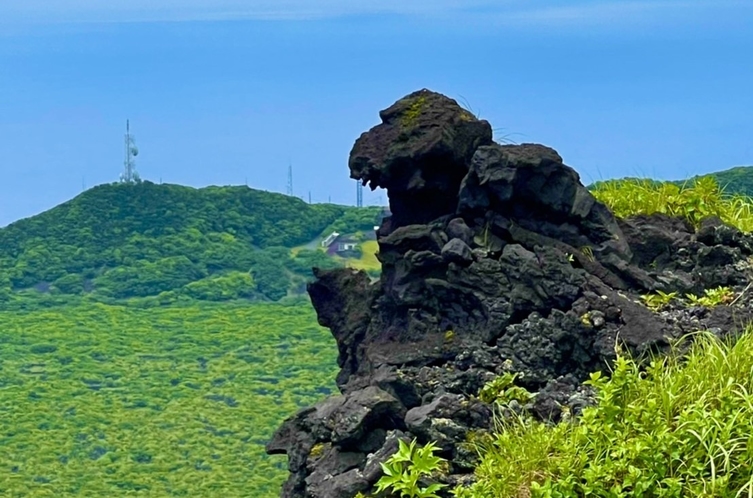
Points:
(403, 470)
(711, 298)
(100, 400)
(503, 390)
(414, 111)
(121, 241)
(659, 300)
(737, 180)
(702, 199)
(680, 428)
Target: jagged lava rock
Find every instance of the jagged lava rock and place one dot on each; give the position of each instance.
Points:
(496, 259)
(419, 154)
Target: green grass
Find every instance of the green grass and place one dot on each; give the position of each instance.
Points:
(693, 201)
(681, 428)
(100, 400)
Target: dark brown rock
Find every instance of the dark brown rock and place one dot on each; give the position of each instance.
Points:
(496, 259)
(420, 153)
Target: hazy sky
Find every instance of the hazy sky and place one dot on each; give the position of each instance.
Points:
(221, 92)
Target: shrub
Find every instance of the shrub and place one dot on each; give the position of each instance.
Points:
(404, 469)
(234, 285)
(69, 284)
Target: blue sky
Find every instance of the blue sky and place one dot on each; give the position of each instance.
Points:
(220, 92)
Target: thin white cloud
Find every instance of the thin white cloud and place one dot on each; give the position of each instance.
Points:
(544, 12)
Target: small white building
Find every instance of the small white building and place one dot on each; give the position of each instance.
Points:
(346, 245)
(330, 239)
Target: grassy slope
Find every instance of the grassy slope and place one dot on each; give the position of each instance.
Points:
(100, 400)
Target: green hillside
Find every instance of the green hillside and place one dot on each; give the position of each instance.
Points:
(738, 180)
(120, 241)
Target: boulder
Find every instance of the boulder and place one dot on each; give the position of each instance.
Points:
(420, 154)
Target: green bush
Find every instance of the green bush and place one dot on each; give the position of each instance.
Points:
(307, 259)
(144, 278)
(233, 285)
(174, 400)
(269, 273)
(70, 284)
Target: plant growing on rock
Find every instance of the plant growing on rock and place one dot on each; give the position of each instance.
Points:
(502, 390)
(588, 253)
(657, 301)
(412, 113)
(404, 469)
(712, 297)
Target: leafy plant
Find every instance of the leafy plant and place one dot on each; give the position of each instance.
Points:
(659, 300)
(712, 297)
(503, 390)
(588, 253)
(404, 469)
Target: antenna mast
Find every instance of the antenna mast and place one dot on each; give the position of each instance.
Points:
(359, 194)
(290, 179)
(131, 151)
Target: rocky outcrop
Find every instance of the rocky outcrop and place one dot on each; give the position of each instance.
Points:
(496, 259)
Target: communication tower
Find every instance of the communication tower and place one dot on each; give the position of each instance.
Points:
(131, 151)
(290, 179)
(359, 194)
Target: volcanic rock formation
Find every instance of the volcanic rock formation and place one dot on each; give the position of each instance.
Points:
(495, 259)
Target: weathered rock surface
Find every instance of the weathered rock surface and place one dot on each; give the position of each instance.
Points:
(496, 259)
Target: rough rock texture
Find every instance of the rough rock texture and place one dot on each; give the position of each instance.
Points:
(496, 259)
